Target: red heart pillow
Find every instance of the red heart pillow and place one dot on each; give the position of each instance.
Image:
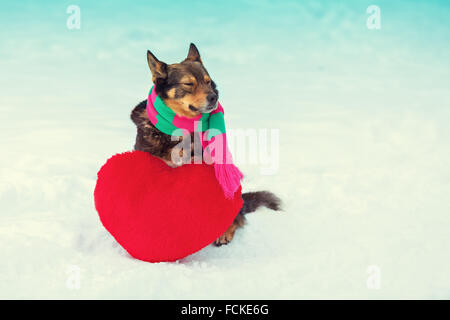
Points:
(158, 213)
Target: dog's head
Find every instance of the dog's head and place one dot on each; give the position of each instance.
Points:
(185, 87)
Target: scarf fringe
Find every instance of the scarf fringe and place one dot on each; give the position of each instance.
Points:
(229, 177)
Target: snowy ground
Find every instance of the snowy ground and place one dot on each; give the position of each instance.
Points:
(364, 148)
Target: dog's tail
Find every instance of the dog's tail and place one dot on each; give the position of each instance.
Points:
(254, 200)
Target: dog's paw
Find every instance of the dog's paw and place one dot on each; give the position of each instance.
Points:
(226, 237)
(171, 163)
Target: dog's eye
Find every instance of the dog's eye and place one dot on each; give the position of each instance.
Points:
(189, 84)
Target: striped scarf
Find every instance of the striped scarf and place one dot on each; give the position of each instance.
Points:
(211, 129)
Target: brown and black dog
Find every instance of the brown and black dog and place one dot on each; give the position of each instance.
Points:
(188, 90)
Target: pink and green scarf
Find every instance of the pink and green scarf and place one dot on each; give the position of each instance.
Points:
(214, 139)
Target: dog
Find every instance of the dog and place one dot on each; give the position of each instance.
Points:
(188, 90)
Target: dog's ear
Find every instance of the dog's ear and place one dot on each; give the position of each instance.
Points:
(193, 54)
(158, 68)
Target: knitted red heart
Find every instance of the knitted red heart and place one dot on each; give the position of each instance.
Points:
(158, 213)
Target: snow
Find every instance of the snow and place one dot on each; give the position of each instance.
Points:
(363, 158)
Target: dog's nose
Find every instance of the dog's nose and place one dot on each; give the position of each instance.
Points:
(212, 99)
